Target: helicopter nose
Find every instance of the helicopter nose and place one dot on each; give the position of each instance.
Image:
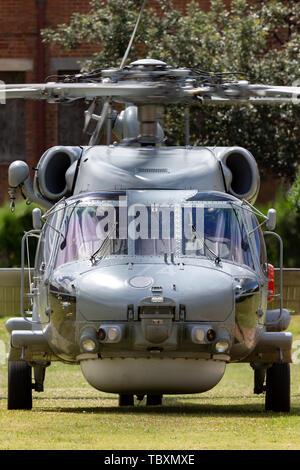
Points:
(103, 294)
(120, 293)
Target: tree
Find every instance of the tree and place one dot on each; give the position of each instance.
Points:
(294, 195)
(259, 39)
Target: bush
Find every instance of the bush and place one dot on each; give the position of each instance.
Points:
(288, 226)
(12, 228)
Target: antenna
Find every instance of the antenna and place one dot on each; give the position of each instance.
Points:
(133, 34)
(106, 110)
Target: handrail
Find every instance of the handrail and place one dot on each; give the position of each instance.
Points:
(24, 238)
(280, 295)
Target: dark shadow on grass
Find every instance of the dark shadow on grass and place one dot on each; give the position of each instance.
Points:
(101, 397)
(177, 408)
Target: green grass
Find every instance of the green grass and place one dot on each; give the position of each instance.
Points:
(72, 415)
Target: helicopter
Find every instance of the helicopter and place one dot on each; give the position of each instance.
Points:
(151, 268)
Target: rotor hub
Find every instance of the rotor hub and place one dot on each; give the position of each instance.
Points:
(146, 70)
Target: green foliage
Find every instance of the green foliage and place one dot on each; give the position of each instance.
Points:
(109, 24)
(287, 226)
(294, 195)
(12, 228)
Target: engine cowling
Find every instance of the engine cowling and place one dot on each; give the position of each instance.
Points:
(50, 178)
(240, 172)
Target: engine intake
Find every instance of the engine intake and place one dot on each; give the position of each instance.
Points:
(240, 172)
(50, 179)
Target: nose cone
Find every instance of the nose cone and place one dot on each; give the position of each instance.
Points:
(104, 293)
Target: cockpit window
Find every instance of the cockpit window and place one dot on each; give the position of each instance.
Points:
(215, 231)
(152, 228)
(91, 227)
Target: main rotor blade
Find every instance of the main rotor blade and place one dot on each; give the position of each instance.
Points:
(56, 92)
(21, 91)
(243, 92)
(241, 101)
(133, 34)
(266, 90)
(162, 92)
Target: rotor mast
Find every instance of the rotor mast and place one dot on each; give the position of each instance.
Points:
(149, 116)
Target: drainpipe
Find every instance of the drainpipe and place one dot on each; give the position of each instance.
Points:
(41, 14)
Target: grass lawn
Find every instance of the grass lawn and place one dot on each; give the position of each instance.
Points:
(71, 415)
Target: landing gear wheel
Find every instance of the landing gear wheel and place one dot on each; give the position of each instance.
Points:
(154, 400)
(278, 388)
(19, 386)
(126, 400)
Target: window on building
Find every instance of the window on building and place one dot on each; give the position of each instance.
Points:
(12, 122)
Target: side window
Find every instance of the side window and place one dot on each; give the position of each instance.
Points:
(46, 245)
(261, 246)
(263, 252)
(40, 258)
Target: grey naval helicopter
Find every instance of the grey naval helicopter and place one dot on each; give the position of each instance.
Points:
(151, 269)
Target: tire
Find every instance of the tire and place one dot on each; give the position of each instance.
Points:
(126, 400)
(154, 400)
(19, 386)
(278, 388)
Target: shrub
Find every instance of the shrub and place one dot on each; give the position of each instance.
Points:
(12, 228)
(288, 226)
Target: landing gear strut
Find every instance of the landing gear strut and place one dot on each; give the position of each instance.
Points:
(154, 400)
(126, 400)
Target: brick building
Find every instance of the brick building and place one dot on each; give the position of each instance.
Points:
(28, 128)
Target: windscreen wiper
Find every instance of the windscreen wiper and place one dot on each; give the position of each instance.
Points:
(103, 244)
(202, 240)
(64, 242)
